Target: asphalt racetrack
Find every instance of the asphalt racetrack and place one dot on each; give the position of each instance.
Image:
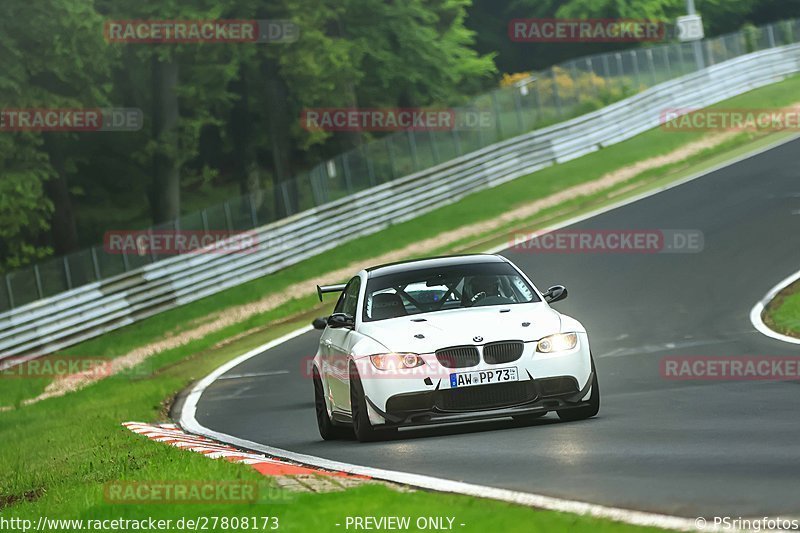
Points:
(688, 448)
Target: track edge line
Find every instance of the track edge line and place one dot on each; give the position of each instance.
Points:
(758, 310)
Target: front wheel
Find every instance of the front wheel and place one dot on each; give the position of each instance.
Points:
(362, 427)
(326, 428)
(587, 411)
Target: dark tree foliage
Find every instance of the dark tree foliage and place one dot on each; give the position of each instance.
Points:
(222, 119)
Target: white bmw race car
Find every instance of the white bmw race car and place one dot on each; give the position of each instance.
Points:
(443, 340)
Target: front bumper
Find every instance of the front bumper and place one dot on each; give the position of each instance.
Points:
(547, 382)
(484, 401)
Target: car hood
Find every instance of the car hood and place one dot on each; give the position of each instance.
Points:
(462, 326)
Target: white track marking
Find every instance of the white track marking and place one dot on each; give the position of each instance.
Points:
(189, 421)
(191, 400)
(758, 310)
(254, 375)
(656, 348)
(458, 487)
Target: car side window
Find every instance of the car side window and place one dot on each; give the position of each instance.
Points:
(348, 301)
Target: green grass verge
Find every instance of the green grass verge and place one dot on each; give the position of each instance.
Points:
(782, 314)
(56, 455)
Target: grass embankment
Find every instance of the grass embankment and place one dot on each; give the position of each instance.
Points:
(57, 455)
(782, 314)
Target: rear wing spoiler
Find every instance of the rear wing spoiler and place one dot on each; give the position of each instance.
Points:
(322, 289)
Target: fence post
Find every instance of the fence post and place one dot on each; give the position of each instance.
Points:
(592, 76)
(316, 186)
(152, 252)
(253, 211)
(709, 53)
(227, 208)
(635, 58)
(665, 49)
(434, 148)
(573, 69)
(68, 274)
(348, 181)
(652, 63)
(518, 109)
(37, 276)
(10, 292)
(287, 201)
(370, 165)
(699, 59)
(496, 112)
(683, 57)
(556, 97)
(537, 98)
(95, 263)
(412, 148)
(390, 151)
(606, 68)
(456, 141)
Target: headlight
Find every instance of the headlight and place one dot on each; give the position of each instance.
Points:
(560, 342)
(396, 361)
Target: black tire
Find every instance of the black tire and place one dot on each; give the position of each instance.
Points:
(358, 405)
(327, 430)
(527, 419)
(587, 411)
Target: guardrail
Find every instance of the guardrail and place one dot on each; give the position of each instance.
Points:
(55, 323)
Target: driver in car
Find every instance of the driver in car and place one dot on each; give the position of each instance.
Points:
(481, 287)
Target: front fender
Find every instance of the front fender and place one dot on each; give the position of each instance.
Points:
(367, 346)
(569, 324)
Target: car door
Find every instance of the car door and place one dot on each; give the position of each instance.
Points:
(340, 340)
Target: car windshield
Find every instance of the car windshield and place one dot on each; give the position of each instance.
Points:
(412, 292)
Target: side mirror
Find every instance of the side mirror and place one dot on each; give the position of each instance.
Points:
(555, 293)
(341, 320)
(320, 323)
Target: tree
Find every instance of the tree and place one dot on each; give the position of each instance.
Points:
(50, 57)
(227, 111)
(181, 88)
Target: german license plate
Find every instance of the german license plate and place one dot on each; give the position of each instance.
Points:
(483, 377)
